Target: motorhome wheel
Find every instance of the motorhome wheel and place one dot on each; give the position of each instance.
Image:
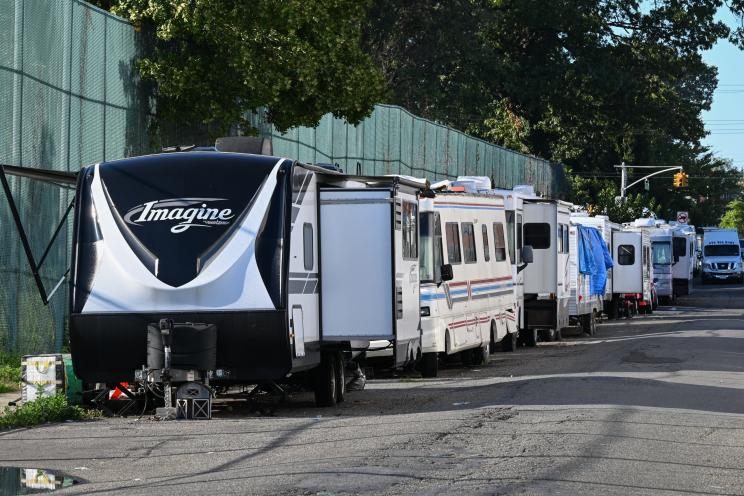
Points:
(430, 364)
(481, 355)
(509, 342)
(325, 380)
(340, 377)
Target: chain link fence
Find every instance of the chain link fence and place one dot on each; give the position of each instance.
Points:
(394, 141)
(69, 95)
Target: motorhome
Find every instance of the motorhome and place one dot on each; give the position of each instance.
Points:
(721, 255)
(514, 201)
(607, 228)
(547, 290)
(632, 272)
(662, 259)
(232, 268)
(684, 253)
(467, 292)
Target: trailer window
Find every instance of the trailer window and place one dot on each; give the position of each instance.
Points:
(498, 242)
(468, 242)
(510, 234)
(559, 238)
(537, 235)
(452, 231)
(486, 248)
(679, 245)
(307, 241)
(565, 239)
(410, 231)
(626, 254)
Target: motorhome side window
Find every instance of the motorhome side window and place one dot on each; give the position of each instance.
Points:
(307, 242)
(452, 231)
(468, 242)
(498, 242)
(410, 231)
(565, 239)
(679, 246)
(519, 238)
(537, 235)
(510, 234)
(626, 254)
(486, 248)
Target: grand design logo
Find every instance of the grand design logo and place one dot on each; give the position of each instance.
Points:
(189, 212)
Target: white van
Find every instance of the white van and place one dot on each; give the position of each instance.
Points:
(721, 255)
(467, 291)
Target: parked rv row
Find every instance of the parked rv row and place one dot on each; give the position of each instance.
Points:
(225, 269)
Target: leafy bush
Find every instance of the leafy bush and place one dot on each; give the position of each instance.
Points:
(43, 410)
(10, 372)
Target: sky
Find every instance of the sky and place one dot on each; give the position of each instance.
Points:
(725, 120)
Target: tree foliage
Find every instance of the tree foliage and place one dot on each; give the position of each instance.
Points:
(589, 83)
(216, 59)
(734, 216)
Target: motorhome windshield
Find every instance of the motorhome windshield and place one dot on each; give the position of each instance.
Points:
(662, 252)
(430, 237)
(721, 251)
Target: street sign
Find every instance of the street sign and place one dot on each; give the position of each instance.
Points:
(682, 217)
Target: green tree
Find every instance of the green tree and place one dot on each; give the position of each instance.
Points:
(734, 216)
(214, 60)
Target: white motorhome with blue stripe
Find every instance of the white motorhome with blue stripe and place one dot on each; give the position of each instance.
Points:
(467, 289)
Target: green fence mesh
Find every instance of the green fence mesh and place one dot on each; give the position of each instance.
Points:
(394, 141)
(68, 96)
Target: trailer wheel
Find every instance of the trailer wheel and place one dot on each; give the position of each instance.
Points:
(340, 377)
(429, 364)
(530, 337)
(325, 380)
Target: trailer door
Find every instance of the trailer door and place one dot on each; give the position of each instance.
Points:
(627, 274)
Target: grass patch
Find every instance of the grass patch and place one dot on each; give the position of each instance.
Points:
(10, 373)
(43, 410)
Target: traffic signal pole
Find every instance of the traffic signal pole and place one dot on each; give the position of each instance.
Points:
(624, 175)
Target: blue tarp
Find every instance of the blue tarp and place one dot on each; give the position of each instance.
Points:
(594, 258)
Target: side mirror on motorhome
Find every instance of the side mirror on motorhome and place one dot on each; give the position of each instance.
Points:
(527, 256)
(446, 271)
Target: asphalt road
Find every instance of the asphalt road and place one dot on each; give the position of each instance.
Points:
(651, 406)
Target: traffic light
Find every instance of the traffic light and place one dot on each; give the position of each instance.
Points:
(680, 180)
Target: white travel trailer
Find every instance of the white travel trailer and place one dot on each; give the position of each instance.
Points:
(467, 292)
(633, 272)
(721, 255)
(514, 201)
(232, 268)
(607, 228)
(683, 250)
(547, 287)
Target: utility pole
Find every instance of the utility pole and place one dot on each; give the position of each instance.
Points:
(624, 186)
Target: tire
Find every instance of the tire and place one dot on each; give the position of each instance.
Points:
(509, 343)
(325, 380)
(429, 365)
(614, 308)
(530, 337)
(340, 378)
(549, 335)
(587, 324)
